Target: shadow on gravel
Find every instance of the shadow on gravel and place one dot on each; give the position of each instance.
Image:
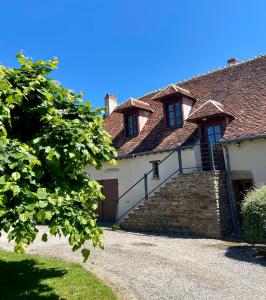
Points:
(170, 235)
(23, 280)
(250, 254)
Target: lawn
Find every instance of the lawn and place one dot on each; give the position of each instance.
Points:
(30, 277)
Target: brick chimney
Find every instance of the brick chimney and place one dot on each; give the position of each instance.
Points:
(232, 61)
(110, 104)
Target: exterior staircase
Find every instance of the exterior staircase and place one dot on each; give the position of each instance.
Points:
(190, 202)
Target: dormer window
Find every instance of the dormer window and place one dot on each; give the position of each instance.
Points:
(136, 114)
(177, 103)
(173, 115)
(131, 124)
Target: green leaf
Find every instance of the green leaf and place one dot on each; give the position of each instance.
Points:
(71, 155)
(48, 215)
(24, 217)
(37, 140)
(85, 254)
(45, 237)
(41, 216)
(41, 193)
(16, 190)
(3, 200)
(43, 204)
(15, 176)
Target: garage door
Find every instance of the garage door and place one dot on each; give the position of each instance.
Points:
(107, 208)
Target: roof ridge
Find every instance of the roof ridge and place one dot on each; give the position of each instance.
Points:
(205, 74)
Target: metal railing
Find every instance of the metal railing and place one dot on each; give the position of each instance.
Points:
(211, 158)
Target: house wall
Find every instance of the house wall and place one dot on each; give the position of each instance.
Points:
(143, 117)
(248, 160)
(129, 171)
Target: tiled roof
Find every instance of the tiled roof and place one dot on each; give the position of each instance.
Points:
(241, 90)
(172, 89)
(208, 109)
(133, 103)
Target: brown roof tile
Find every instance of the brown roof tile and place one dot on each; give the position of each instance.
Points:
(133, 103)
(241, 90)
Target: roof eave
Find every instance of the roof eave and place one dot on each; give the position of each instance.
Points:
(162, 98)
(243, 138)
(202, 118)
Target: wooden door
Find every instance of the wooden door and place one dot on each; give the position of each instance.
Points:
(107, 208)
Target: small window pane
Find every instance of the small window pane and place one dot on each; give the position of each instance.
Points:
(210, 130)
(179, 120)
(172, 122)
(217, 129)
(218, 137)
(211, 138)
(177, 109)
(170, 108)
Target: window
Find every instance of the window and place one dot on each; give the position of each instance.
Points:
(155, 171)
(173, 115)
(131, 123)
(214, 134)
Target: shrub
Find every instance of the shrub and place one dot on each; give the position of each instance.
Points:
(254, 215)
(116, 227)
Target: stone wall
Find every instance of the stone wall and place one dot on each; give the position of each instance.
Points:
(191, 202)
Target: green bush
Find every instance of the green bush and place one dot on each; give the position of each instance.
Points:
(254, 215)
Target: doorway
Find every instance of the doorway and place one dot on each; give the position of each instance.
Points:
(107, 208)
(241, 188)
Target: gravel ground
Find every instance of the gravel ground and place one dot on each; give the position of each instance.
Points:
(145, 266)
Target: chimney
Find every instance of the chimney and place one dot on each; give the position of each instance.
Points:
(232, 61)
(110, 104)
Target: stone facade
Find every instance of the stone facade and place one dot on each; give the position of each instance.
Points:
(191, 202)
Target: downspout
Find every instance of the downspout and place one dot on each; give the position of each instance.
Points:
(232, 203)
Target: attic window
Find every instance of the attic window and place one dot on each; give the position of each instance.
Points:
(173, 115)
(131, 124)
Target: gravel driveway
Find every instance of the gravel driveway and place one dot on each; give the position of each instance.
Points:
(145, 266)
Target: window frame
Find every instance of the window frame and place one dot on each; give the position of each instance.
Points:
(134, 124)
(174, 102)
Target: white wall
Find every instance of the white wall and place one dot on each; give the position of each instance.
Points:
(187, 105)
(249, 157)
(129, 171)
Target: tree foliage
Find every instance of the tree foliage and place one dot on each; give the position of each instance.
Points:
(47, 136)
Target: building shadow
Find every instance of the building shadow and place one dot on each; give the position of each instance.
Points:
(247, 253)
(24, 280)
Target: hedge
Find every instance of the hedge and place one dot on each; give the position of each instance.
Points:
(254, 215)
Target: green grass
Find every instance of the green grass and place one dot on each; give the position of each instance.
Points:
(30, 277)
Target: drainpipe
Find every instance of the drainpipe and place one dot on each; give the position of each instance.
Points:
(232, 202)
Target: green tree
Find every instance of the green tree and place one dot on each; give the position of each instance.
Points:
(47, 136)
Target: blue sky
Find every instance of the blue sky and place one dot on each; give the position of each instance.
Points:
(129, 48)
